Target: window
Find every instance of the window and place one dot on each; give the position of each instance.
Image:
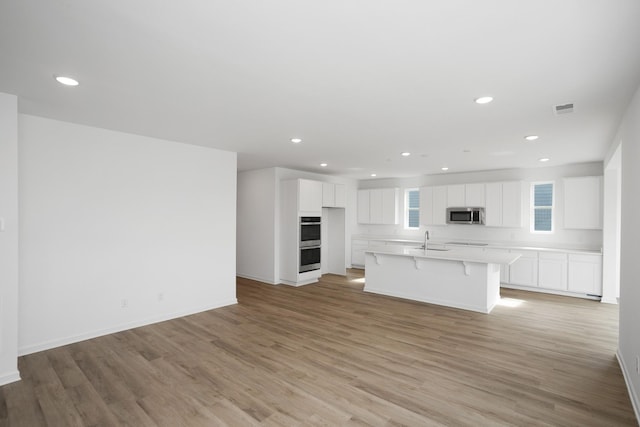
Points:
(412, 208)
(542, 207)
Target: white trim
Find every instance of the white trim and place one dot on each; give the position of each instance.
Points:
(635, 402)
(119, 328)
(550, 291)
(257, 279)
(11, 377)
(532, 207)
(406, 209)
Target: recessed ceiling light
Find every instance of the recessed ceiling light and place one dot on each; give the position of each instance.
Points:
(67, 81)
(373, 174)
(544, 159)
(296, 140)
(324, 165)
(531, 137)
(405, 154)
(444, 168)
(483, 100)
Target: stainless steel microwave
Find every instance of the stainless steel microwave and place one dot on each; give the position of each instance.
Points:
(465, 215)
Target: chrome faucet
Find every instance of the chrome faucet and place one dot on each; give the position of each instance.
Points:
(426, 239)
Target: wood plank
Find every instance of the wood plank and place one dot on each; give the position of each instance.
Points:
(330, 354)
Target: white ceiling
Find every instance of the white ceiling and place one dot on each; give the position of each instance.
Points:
(359, 80)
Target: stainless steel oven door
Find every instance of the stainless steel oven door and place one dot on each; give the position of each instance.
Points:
(309, 259)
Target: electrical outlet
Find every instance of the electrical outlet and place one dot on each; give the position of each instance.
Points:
(124, 303)
(638, 365)
(160, 296)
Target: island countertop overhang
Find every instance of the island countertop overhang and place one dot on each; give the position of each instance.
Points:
(463, 255)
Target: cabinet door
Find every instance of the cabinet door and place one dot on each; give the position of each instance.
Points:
(456, 196)
(375, 206)
(389, 205)
(358, 248)
(512, 204)
(328, 195)
(474, 195)
(585, 274)
(552, 271)
(340, 196)
(426, 205)
(524, 271)
(364, 216)
(583, 202)
(440, 205)
(310, 196)
(493, 201)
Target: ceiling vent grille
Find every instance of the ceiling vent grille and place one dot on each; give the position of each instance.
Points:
(563, 109)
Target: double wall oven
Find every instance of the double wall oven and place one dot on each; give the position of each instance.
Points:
(309, 243)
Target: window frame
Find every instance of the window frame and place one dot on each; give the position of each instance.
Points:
(407, 209)
(533, 207)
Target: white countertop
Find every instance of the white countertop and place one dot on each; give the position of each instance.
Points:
(463, 255)
(528, 246)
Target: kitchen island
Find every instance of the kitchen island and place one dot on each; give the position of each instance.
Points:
(455, 278)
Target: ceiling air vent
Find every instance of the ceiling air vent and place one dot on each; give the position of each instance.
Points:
(563, 109)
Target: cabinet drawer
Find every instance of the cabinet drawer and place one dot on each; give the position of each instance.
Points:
(552, 256)
(597, 259)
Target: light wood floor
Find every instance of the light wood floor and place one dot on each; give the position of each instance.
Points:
(329, 354)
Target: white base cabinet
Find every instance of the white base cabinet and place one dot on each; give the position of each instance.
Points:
(524, 271)
(585, 274)
(358, 248)
(552, 271)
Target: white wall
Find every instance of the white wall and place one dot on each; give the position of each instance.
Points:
(574, 238)
(611, 228)
(109, 220)
(629, 338)
(8, 238)
(256, 233)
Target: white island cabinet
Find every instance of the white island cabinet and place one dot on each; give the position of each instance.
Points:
(464, 279)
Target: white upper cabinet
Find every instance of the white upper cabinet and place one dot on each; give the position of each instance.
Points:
(493, 208)
(364, 216)
(465, 195)
(455, 196)
(341, 196)
(512, 204)
(378, 206)
(503, 204)
(334, 195)
(310, 196)
(433, 205)
(583, 202)
(474, 195)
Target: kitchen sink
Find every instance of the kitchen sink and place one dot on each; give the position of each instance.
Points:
(466, 244)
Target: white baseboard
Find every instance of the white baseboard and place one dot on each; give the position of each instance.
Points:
(10, 377)
(22, 351)
(632, 394)
(257, 279)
